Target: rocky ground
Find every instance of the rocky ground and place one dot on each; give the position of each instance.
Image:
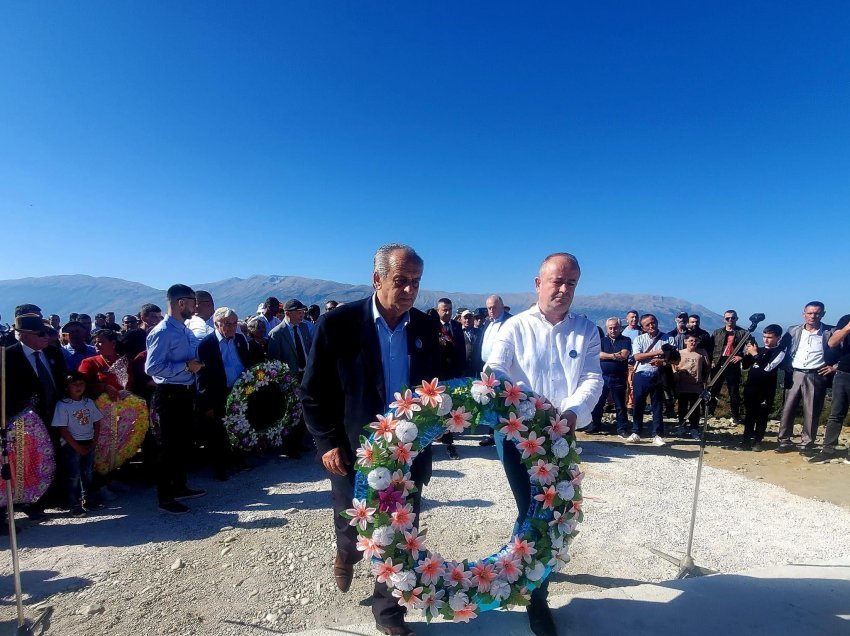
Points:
(254, 556)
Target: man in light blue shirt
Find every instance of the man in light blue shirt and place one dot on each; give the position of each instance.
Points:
(649, 358)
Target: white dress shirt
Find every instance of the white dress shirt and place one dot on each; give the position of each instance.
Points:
(491, 332)
(809, 354)
(559, 362)
(200, 327)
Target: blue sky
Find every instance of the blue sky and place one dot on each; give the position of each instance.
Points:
(699, 151)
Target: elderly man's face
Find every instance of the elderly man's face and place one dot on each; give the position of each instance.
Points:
(632, 319)
(495, 308)
(35, 340)
(397, 290)
(444, 311)
(295, 316)
(227, 326)
(812, 314)
(613, 327)
(650, 325)
(467, 320)
(556, 285)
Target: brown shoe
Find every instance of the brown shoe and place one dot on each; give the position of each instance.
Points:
(395, 630)
(343, 573)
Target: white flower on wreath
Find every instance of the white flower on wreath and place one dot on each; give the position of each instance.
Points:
(406, 431)
(566, 490)
(404, 580)
(445, 405)
(560, 448)
(458, 600)
(383, 535)
(526, 410)
(500, 589)
(560, 558)
(481, 394)
(535, 573)
(380, 478)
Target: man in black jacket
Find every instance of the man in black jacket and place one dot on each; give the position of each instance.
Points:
(363, 353)
(225, 356)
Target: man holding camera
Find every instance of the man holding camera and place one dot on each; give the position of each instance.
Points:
(650, 355)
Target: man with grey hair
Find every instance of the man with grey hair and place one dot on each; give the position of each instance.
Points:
(548, 350)
(363, 354)
(614, 362)
(224, 354)
(201, 324)
(497, 316)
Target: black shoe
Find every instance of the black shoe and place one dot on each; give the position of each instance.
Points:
(487, 441)
(189, 493)
(785, 447)
(452, 451)
(823, 457)
(174, 507)
(402, 629)
(757, 447)
(746, 445)
(78, 511)
(807, 449)
(540, 619)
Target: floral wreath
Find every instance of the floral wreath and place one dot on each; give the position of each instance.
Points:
(121, 432)
(382, 508)
(31, 458)
(240, 430)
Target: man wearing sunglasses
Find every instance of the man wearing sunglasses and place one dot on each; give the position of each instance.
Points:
(726, 340)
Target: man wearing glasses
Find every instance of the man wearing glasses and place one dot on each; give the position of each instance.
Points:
(726, 340)
(172, 364)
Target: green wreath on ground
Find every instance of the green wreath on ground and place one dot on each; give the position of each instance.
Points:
(262, 406)
(382, 508)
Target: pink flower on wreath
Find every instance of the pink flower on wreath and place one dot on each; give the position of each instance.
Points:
(431, 569)
(403, 517)
(433, 602)
(465, 613)
(577, 477)
(458, 420)
(557, 428)
(405, 405)
(523, 549)
(390, 499)
(456, 574)
(483, 575)
(365, 454)
(513, 426)
(510, 567)
(430, 394)
(360, 514)
(369, 548)
(512, 394)
(547, 497)
(384, 427)
(543, 472)
(577, 506)
(532, 445)
(414, 601)
(540, 404)
(403, 453)
(412, 543)
(403, 481)
(385, 569)
(487, 381)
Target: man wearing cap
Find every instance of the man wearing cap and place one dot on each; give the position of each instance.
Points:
(172, 364)
(548, 350)
(470, 339)
(290, 342)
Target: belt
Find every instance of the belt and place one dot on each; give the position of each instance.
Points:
(809, 370)
(183, 388)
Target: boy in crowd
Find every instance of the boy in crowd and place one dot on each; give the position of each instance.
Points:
(691, 374)
(763, 363)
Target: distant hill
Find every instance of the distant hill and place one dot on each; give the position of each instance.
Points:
(89, 294)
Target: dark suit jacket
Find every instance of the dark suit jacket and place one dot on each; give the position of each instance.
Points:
(454, 354)
(471, 343)
(212, 380)
(343, 387)
(23, 387)
(282, 346)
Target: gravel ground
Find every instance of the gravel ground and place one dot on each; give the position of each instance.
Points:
(255, 554)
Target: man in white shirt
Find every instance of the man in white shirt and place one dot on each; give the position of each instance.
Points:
(808, 354)
(554, 353)
(496, 318)
(201, 324)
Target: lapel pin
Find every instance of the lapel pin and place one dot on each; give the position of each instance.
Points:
(574, 354)
(418, 343)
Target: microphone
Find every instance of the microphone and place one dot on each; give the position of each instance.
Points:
(755, 319)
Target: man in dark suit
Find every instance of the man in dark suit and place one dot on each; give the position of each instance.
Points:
(225, 356)
(290, 342)
(453, 357)
(471, 335)
(363, 353)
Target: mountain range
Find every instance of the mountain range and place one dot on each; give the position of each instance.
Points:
(94, 294)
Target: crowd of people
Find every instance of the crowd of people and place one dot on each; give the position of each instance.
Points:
(185, 361)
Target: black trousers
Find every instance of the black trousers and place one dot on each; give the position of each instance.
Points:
(758, 403)
(174, 406)
(385, 606)
(732, 379)
(686, 401)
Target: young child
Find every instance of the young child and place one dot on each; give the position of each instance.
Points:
(77, 418)
(691, 374)
(763, 363)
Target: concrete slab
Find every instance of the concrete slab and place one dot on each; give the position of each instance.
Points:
(794, 599)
